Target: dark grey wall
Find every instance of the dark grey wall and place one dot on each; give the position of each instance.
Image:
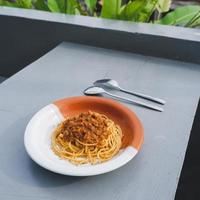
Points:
(24, 40)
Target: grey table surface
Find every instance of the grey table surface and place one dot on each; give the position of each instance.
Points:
(66, 71)
(2, 79)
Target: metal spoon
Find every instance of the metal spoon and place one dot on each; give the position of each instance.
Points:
(115, 85)
(98, 90)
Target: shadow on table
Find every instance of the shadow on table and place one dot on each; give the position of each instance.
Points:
(16, 164)
(47, 178)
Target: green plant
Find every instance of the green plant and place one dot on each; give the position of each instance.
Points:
(132, 10)
(91, 4)
(153, 11)
(40, 5)
(188, 16)
(110, 9)
(17, 3)
(163, 5)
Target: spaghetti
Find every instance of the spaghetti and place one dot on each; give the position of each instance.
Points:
(89, 137)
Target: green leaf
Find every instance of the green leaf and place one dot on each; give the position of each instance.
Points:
(195, 21)
(69, 7)
(163, 5)
(146, 12)
(138, 10)
(181, 16)
(17, 3)
(6, 3)
(25, 3)
(72, 6)
(110, 9)
(56, 5)
(91, 4)
(41, 5)
(131, 10)
(77, 12)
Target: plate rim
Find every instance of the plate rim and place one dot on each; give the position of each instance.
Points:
(104, 170)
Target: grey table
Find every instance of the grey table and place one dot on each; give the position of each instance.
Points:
(66, 71)
(2, 79)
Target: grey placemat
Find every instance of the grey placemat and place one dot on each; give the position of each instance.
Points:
(67, 70)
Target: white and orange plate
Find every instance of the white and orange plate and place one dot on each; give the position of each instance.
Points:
(37, 138)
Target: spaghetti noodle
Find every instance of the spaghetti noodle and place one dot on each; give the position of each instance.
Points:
(89, 137)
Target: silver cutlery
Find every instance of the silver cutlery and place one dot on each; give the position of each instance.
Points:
(94, 90)
(115, 85)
